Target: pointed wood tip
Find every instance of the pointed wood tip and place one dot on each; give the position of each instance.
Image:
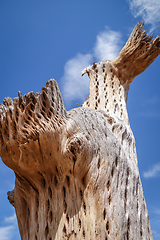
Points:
(138, 53)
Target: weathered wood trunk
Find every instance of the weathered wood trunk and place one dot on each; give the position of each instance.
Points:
(76, 172)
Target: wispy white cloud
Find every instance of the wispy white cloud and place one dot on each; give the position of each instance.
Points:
(12, 219)
(156, 234)
(74, 86)
(153, 172)
(156, 211)
(7, 232)
(146, 9)
(107, 47)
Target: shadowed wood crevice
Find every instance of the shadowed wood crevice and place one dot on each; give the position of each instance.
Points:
(76, 172)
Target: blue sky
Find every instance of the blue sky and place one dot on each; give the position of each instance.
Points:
(57, 39)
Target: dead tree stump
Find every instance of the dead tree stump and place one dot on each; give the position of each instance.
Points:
(76, 172)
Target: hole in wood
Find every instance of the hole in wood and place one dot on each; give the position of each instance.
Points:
(125, 194)
(68, 180)
(50, 216)
(99, 163)
(65, 206)
(55, 181)
(116, 161)
(84, 207)
(50, 192)
(64, 192)
(83, 181)
(64, 229)
(79, 223)
(48, 205)
(46, 231)
(84, 234)
(108, 185)
(112, 171)
(81, 194)
(67, 217)
(104, 214)
(107, 226)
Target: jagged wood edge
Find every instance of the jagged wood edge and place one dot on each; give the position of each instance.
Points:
(26, 116)
(138, 53)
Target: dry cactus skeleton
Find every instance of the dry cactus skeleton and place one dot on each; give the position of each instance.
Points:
(76, 172)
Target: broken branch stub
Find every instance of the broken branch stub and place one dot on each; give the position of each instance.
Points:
(76, 172)
(138, 53)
